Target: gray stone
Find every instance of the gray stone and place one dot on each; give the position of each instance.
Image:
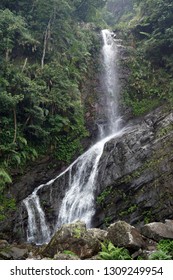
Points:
(122, 234)
(5, 255)
(3, 243)
(158, 230)
(101, 235)
(11, 252)
(18, 253)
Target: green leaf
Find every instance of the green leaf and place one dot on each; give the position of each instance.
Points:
(5, 176)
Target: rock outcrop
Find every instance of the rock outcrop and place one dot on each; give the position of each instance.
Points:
(135, 178)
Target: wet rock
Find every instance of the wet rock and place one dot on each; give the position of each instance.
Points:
(122, 234)
(75, 238)
(158, 230)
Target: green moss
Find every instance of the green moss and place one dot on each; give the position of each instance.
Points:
(164, 131)
(101, 198)
(148, 216)
(70, 253)
(130, 210)
(107, 221)
(78, 231)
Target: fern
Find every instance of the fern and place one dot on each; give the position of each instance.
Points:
(16, 159)
(166, 246)
(4, 176)
(160, 255)
(110, 252)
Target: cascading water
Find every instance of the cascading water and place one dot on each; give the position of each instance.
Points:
(78, 202)
(35, 212)
(110, 86)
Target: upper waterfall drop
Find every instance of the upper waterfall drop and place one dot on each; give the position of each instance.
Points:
(110, 85)
(79, 199)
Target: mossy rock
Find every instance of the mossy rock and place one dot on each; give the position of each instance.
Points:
(75, 238)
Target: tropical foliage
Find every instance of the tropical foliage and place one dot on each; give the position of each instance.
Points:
(110, 252)
(164, 250)
(146, 26)
(46, 48)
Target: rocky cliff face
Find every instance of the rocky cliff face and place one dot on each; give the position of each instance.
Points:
(135, 180)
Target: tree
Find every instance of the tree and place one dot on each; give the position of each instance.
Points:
(86, 10)
(13, 33)
(45, 53)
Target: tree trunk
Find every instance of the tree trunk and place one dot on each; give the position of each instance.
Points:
(7, 55)
(24, 65)
(15, 125)
(46, 39)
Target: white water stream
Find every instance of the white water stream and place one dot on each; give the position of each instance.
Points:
(79, 200)
(110, 84)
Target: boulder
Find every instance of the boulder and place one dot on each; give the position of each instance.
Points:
(158, 230)
(100, 234)
(122, 234)
(18, 253)
(3, 243)
(5, 255)
(11, 252)
(75, 238)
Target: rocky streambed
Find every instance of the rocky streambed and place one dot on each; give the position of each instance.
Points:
(75, 242)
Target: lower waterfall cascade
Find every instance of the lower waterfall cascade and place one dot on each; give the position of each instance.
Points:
(79, 200)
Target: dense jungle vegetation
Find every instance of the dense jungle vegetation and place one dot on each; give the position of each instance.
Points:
(146, 26)
(46, 48)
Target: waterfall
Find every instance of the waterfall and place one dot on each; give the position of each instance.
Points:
(79, 201)
(110, 86)
(37, 231)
